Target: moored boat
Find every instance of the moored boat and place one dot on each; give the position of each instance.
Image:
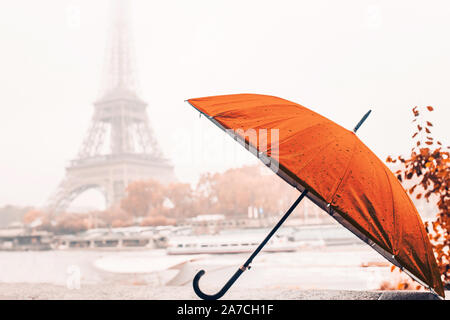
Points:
(221, 244)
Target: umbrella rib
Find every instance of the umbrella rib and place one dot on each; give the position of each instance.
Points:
(322, 147)
(376, 223)
(394, 247)
(345, 173)
(299, 133)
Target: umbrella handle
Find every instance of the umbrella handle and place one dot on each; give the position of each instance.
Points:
(222, 291)
(246, 265)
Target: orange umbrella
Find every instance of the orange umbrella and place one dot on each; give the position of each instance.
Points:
(335, 170)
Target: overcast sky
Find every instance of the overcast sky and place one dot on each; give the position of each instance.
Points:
(339, 58)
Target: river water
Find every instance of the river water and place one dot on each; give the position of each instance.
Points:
(354, 266)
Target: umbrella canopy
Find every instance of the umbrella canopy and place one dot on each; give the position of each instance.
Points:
(343, 176)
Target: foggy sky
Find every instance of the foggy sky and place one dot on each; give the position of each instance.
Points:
(339, 58)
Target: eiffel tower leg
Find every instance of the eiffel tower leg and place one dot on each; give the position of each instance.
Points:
(68, 190)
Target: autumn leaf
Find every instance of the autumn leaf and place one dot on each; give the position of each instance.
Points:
(433, 166)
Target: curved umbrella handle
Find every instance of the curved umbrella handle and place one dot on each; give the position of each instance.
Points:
(222, 291)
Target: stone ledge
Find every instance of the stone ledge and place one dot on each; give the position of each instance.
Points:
(407, 295)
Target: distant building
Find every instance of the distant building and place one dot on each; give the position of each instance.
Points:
(214, 223)
(21, 239)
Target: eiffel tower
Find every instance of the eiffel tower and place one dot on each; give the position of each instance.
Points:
(119, 146)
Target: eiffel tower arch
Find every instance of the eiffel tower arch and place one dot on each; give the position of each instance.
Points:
(119, 146)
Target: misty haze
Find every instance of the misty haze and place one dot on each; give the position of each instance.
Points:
(115, 186)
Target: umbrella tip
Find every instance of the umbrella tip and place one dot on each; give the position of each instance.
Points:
(362, 120)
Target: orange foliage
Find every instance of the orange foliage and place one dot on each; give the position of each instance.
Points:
(33, 215)
(114, 217)
(229, 193)
(400, 281)
(430, 165)
(401, 284)
(148, 199)
(232, 192)
(150, 203)
(117, 223)
(182, 198)
(157, 220)
(71, 223)
(142, 197)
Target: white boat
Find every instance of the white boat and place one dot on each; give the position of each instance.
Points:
(222, 244)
